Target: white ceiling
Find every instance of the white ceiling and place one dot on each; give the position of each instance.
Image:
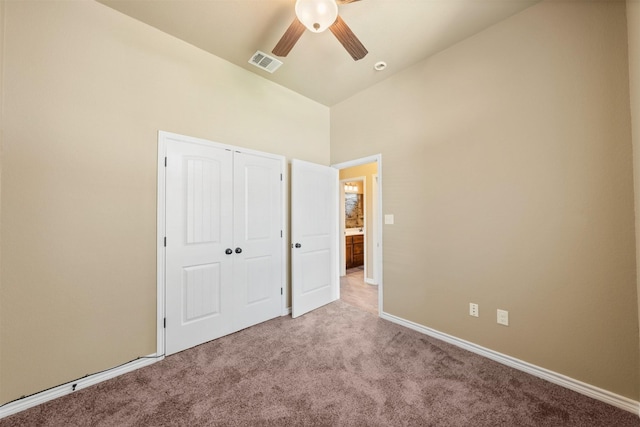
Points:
(399, 32)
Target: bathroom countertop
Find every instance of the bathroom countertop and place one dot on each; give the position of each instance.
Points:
(353, 231)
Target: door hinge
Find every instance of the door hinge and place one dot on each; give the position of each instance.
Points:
(165, 162)
(165, 323)
(281, 291)
(280, 233)
(280, 177)
(165, 241)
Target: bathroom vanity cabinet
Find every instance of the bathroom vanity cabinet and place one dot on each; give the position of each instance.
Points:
(354, 250)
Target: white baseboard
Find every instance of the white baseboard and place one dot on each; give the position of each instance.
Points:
(286, 311)
(370, 281)
(68, 388)
(553, 377)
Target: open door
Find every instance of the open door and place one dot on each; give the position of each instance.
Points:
(314, 236)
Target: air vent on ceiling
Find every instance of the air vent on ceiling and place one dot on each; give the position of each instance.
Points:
(264, 61)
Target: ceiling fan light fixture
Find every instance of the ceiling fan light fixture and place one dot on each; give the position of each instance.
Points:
(317, 15)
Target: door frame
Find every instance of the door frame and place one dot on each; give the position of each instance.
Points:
(163, 137)
(377, 220)
(342, 246)
(375, 236)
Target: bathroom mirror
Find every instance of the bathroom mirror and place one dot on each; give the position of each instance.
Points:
(354, 210)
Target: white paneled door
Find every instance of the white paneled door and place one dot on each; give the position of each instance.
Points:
(314, 236)
(258, 268)
(199, 213)
(223, 241)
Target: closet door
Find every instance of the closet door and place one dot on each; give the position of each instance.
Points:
(258, 235)
(199, 271)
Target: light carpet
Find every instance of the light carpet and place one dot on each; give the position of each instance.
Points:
(336, 366)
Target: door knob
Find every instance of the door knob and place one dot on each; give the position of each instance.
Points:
(298, 245)
(238, 250)
(228, 251)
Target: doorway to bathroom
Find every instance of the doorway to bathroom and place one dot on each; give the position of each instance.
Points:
(360, 233)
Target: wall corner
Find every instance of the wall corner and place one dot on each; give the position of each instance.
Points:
(633, 43)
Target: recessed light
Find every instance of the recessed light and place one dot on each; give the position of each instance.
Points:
(380, 65)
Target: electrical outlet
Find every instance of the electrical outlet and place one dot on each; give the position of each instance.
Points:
(503, 317)
(473, 310)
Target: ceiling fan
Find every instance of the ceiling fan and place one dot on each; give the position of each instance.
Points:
(317, 16)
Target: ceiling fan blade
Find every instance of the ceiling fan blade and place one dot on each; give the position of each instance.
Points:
(345, 1)
(349, 40)
(289, 38)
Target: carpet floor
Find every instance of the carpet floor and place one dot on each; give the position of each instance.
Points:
(336, 366)
(355, 291)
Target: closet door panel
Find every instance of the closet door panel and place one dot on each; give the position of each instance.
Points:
(257, 232)
(199, 303)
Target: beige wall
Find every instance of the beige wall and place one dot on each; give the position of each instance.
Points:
(633, 27)
(507, 165)
(367, 171)
(86, 90)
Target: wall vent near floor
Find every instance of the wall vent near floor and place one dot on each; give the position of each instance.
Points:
(264, 61)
